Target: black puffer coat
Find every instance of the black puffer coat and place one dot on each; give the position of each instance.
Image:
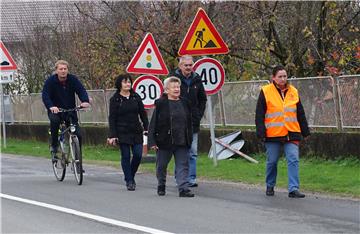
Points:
(162, 124)
(124, 122)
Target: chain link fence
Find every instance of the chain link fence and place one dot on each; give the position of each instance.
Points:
(328, 102)
(349, 100)
(317, 95)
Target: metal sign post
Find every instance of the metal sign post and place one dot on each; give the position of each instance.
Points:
(212, 74)
(202, 38)
(7, 69)
(3, 115)
(212, 129)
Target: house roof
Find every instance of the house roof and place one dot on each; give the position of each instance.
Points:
(19, 18)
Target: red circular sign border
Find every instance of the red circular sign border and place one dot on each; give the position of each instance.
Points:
(221, 68)
(154, 78)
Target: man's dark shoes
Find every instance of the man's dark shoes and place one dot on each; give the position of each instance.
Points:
(186, 193)
(296, 194)
(270, 191)
(131, 186)
(192, 185)
(54, 157)
(161, 190)
(53, 151)
(78, 168)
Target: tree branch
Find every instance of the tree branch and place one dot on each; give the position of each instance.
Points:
(251, 60)
(345, 25)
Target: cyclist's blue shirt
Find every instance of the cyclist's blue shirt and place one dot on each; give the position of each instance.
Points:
(63, 95)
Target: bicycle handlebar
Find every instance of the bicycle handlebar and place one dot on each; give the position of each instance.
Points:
(78, 108)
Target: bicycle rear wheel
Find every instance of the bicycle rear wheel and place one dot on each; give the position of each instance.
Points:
(76, 161)
(59, 167)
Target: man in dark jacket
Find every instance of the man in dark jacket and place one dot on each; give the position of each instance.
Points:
(59, 92)
(281, 122)
(170, 133)
(192, 89)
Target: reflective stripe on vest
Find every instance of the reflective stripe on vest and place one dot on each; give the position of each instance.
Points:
(274, 124)
(281, 115)
(288, 109)
(272, 115)
(290, 119)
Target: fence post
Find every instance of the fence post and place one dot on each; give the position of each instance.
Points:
(30, 110)
(106, 104)
(338, 107)
(222, 109)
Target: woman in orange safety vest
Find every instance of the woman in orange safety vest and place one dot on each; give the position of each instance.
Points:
(281, 122)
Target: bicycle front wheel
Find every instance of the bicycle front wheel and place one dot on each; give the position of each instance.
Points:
(76, 160)
(59, 168)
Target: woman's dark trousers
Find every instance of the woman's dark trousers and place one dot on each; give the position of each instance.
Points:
(130, 165)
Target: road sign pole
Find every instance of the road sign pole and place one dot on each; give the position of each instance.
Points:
(3, 115)
(212, 130)
(213, 76)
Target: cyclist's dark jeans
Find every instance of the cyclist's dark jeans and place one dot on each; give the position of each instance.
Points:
(55, 120)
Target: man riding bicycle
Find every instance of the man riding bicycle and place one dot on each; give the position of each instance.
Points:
(59, 92)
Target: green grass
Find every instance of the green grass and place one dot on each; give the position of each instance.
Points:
(338, 177)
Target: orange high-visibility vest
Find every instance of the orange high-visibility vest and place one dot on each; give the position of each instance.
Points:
(280, 116)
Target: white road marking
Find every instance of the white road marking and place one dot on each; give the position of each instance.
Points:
(86, 215)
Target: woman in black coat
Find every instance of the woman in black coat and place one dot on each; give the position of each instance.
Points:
(125, 128)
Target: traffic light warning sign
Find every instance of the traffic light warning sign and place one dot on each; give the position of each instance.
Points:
(147, 59)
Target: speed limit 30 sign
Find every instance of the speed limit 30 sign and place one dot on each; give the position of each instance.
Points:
(212, 74)
(149, 88)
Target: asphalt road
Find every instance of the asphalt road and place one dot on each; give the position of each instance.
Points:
(34, 202)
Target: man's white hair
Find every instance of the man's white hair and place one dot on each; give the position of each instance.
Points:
(171, 79)
(184, 58)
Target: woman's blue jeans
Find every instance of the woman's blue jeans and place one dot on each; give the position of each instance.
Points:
(291, 151)
(130, 165)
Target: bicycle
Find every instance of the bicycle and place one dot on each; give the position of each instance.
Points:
(68, 144)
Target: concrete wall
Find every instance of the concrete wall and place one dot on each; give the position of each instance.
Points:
(324, 145)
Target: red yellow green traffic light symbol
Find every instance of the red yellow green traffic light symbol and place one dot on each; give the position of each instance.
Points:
(147, 59)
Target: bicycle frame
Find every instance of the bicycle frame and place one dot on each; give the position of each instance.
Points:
(69, 144)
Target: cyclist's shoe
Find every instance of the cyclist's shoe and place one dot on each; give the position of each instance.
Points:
(53, 149)
(54, 157)
(78, 169)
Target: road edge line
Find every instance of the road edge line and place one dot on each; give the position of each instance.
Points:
(85, 215)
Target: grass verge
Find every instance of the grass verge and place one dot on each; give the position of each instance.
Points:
(336, 177)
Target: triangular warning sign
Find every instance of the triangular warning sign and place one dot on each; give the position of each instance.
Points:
(147, 59)
(202, 38)
(6, 61)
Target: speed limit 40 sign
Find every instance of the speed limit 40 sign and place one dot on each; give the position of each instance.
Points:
(149, 88)
(212, 74)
